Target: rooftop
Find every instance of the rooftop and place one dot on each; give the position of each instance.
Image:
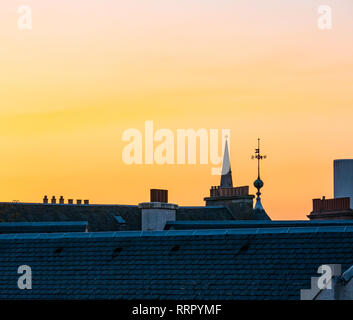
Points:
(44, 227)
(103, 217)
(233, 224)
(245, 263)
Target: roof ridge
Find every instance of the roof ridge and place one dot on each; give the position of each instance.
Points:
(166, 233)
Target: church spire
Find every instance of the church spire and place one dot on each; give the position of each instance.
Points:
(226, 178)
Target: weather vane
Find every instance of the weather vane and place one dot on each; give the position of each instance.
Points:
(258, 184)
(258, 156)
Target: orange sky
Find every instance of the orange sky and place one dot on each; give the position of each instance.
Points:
(88, 70)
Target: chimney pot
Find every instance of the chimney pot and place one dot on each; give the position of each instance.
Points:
(70, 201)
(53, 200)
(78, 201)
(86, 202)
(159, 195)
(45, 199)
(61, 200)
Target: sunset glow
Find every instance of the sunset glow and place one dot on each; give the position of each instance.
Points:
(89, 70)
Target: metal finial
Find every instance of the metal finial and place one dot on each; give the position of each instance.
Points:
(259, 157)
(258, 182)
(259, 211)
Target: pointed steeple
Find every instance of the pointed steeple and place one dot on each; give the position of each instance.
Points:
(259, 211)
(226, 178)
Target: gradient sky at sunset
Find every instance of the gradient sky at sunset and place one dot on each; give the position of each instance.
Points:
(90, 69)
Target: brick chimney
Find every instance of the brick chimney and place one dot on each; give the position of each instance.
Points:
(331, 209)
(155, 214)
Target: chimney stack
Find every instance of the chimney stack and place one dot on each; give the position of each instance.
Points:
(78, 201)
(155, 214)
(326, 209)
(70, 201)
(45, 200)
(53, 200)
(343, 179)
(86, 202)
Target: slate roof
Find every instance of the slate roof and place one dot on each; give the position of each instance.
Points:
(204, 213)
(100, 217)
(260, 214)
(255, 263)
(43, 227)
(235, 224)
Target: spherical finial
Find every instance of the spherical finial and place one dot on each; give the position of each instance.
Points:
(258, 184)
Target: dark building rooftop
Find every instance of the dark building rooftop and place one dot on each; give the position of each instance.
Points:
(99, 217)
(43, 227)
(231, 224)
(103, 217)
(256, 263)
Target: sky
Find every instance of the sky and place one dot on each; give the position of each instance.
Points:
(89, 70)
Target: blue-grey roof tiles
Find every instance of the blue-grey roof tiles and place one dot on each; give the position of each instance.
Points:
(251, 263)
